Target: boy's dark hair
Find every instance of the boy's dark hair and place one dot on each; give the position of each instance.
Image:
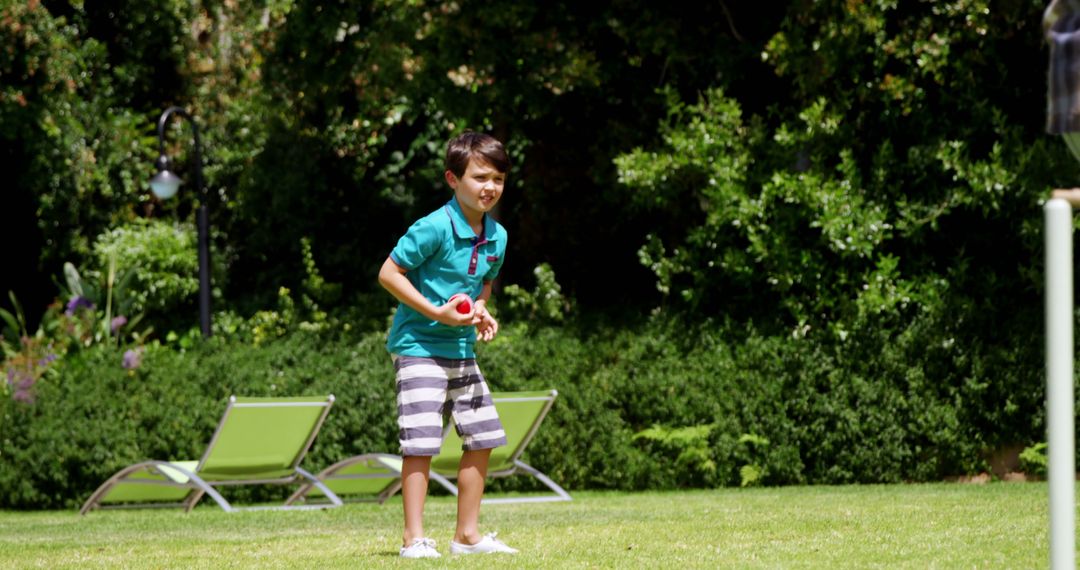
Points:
(470, 145)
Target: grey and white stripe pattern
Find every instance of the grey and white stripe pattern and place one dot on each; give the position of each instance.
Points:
(431, 388)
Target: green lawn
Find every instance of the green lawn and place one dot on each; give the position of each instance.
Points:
(998, 525)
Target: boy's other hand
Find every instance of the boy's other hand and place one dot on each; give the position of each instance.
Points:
(486, 325)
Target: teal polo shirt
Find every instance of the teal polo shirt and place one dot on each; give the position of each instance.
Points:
(443, 257)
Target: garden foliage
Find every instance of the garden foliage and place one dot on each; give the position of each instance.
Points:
(637, 409)
(795, 242)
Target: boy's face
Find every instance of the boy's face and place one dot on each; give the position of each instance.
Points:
(479, 188)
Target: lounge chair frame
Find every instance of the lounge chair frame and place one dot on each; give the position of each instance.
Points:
(391, 463)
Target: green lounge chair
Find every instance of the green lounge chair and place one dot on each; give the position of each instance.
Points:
(258, 441)
(377, 476)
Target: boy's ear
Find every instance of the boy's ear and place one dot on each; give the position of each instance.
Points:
(451, 179)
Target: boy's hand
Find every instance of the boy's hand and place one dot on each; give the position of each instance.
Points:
(486, 325)
(448, 314)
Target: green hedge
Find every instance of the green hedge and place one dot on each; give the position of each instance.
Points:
(641, 407)
(98, 417)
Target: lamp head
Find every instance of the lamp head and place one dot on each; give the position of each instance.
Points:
(164, 184)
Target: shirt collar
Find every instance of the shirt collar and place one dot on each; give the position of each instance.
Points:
(461, 226)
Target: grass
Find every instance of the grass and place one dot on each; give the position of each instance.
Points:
(997, 525)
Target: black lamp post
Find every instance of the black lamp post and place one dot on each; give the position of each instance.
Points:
(165, 184)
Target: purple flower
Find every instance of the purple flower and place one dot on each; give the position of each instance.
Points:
(23, 391)
(76, 303)
(133, 358)
(23, 395)
(116, 323)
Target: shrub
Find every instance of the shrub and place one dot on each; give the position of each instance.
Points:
(642, 406)
(1034, 460)
(162, 256)
(545, 303)
(100, 417)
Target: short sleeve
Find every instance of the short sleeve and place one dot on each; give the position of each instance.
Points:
(419, 243)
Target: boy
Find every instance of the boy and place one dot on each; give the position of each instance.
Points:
(458, 248)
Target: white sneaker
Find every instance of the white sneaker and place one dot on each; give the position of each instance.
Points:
(420, 548)
(487, 545)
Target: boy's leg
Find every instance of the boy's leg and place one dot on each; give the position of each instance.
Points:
(414, 486)
(421, 398)
(481, 431)
(472, 471)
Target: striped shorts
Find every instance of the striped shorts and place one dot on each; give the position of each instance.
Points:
(430, 389)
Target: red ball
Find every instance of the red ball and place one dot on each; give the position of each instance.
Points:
(465, 306)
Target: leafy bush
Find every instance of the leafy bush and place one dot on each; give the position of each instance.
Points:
(96, 312)
(544, 304)
(644, 406)
(100, 417)
(653, 406)
(1034, 460)
(162, 257)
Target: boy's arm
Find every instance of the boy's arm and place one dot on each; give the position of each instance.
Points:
(392, 278)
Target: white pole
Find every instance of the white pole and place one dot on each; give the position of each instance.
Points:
(1059, 384)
